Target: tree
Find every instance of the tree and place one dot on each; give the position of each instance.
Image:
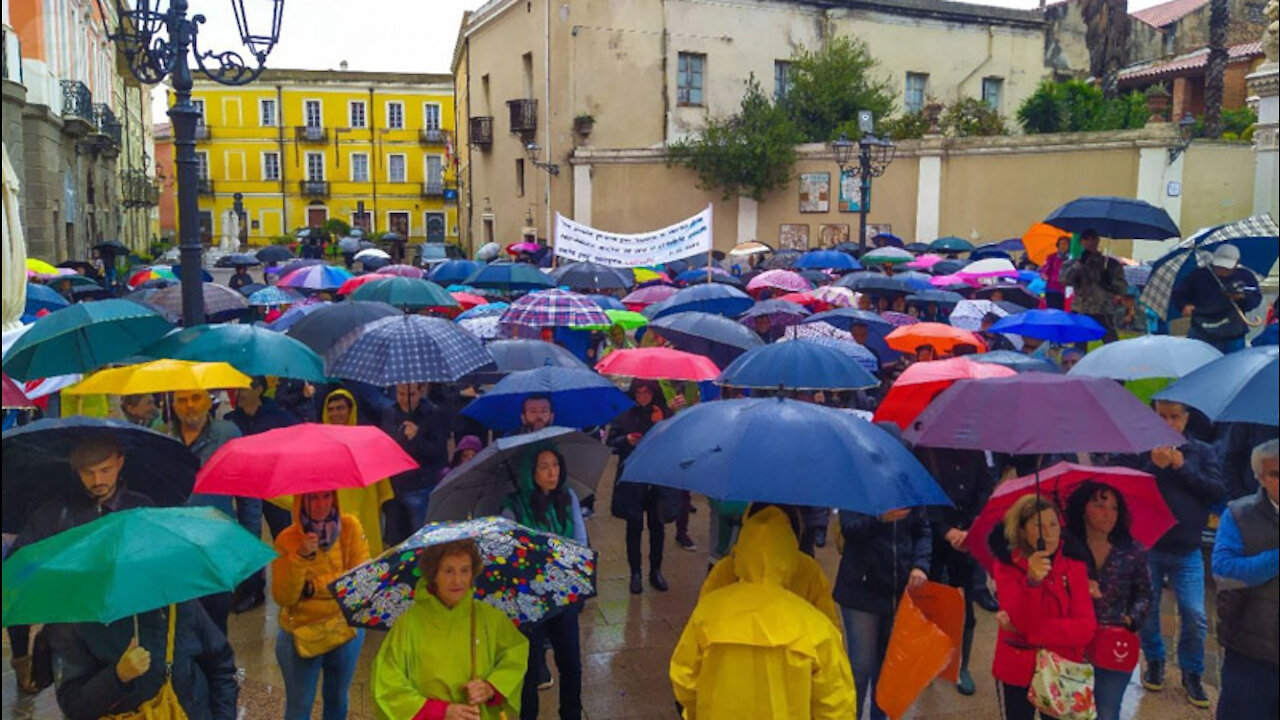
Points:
(1077, 106)
(830, 85)
(1107, 36)
(1216, 68)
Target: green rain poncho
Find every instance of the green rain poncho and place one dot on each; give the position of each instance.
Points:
(425, 657)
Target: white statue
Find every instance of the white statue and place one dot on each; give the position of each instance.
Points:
(230, 232)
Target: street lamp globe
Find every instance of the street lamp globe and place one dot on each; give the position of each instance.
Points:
(843, 149)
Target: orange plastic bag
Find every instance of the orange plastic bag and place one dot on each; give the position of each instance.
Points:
(920, 648)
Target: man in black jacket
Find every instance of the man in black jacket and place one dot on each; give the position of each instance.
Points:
(415, 423)
(1216, 298)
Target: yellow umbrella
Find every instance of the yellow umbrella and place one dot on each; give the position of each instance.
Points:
(644, 275)
(161, 376)
(41, 267)
(1041, 240)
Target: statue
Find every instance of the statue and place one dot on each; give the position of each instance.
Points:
(230, 232)
(1271, 38)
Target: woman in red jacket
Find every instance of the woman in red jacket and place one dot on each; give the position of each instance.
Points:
(1044, 600)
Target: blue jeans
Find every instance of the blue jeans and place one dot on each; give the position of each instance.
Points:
(301, 675)
(1186, 579)
(1108, 691)
(1249, 690)
(416, 503)
(866, 636)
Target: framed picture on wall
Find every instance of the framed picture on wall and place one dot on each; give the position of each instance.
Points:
(874, 229)
(832, 234)
(793, 236)
(851, 193)
(815, 192)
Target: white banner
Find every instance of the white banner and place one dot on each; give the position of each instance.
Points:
(575, 241)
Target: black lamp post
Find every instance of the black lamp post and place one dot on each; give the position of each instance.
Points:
(1186, 127)
(874, 156)
(155, 43)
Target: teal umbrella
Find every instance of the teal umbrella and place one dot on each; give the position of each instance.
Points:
(250, 349)
(406, 293)
(126, 563)
(82, 338)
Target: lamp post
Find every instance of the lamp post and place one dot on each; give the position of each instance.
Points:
(874, 156)
(1186, 126)
(155, 43)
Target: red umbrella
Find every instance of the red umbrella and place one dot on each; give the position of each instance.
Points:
(643, 297)
(468, 300)
(658, 363)
(920, 383)
(350, 286)
(14, 397)
(302, 458)
(1150, 515)
(807, 299)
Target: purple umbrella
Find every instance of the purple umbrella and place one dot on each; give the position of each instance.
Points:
(408, 271)
(316, 277)
(898, 319)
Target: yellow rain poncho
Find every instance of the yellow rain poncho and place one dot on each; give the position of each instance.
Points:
(755, 650)
(426, 657)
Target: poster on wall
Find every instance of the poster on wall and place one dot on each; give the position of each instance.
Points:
(850, 193)
(691, 236)
(793, 236)
(815, 192)
(830, 235)
(874, 229)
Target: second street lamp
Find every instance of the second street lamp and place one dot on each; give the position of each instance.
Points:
(874, 156)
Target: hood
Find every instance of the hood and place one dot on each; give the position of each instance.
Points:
(767, 549)
(524, 470)
(324, 409)
(296, 512)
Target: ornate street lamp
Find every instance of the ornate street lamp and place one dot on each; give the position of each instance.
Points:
(155, 43)
(874, 156)
(532, 150)
(1186, 127)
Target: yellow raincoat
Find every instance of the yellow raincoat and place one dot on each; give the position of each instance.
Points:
(426, 657)
(808, 581)
(290, 572)
(755, 650)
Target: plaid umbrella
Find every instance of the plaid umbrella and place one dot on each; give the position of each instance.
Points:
(1255, 236)
(527, 574)
(218, 299)
(779, 279)
(411, 349)
(551, 308)
(269, 296)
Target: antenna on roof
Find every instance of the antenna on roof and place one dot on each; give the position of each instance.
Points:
(342, 66)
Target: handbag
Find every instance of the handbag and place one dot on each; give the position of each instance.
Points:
(164, 705)
(317, 638)
(1229, 327)
(1062, 688)
(1114, 647)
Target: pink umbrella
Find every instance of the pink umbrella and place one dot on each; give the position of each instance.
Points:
(898, 319)
(945, 280)
(408, 271)
(523, 247)
(835, 296)
(779, 279)
(646, 296)
(926, 261)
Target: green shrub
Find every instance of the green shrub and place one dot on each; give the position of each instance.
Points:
(909, 126)
(1077, 106)
(971, 118)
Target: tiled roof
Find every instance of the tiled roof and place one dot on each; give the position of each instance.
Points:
(1165, 13)
(1184, 64)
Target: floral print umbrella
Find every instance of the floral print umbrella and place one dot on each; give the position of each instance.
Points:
(527, 574)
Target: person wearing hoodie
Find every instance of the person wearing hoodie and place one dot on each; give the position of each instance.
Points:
(340, 408)
(1044, 600)
(753, 649)
(466, 449)
(320, 545)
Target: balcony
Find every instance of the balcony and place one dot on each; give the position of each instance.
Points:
(313, 188)
(433, 188)
(204, 186)
(431, 136)
(137, 189)
(481, 133)
(524, 116)
(77, 108)
(311, 134)
(202, 132)
(108, 127)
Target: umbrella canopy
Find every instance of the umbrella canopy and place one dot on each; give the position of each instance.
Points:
(658, 363)
(509, 278)
(989, 268)
(836, 297)
(750, 247)
(482, 485)
(129, 562)
(529, 575)
(371, 253)
(161, 376)
(83, 337)
(1150, 356)
(943, 338)
(706, 274)
(640, 298)
(714, 336)
(888, 255)
(526, 354)
(858, 353)
(1115, 217)
(350, 286)
(204, 274)
(551, 308)
(250, 349)
(941, 298)
(826, 260)
(590, 277)
(784, 280)
(153, 273)
(746, 450)
(242, 260)
(316, 277)
(294, 314)
(321, 329)
(1009, 292)
(1257, 238)
(404, 271)
(887, 240)
(272, 295)
(607, 302)
(14, 397)
(579, 397)
(1052, 325)
(42, 297)
(523, 247)
(406, 293)
(273, 254)
(453, 271)
(466, 300)
(302, 458)
(798, 365)
(951, 244)
(921, 382)
(1016, 361)
(989, 251)
(877, 284)
(968, 314)
(926, 261)
(1243, 386)
(1041, 241)
(410, 349)
(1041, 414)
(714, 298)
(294, 265)
(218, 299)
(40, 267)
(627, 319)
(245, 290)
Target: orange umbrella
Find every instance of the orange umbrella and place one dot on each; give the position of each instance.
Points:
(1041, 240)
(916, 387)
(943, 338)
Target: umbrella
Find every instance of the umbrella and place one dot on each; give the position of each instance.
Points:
(776, 312)
(846, 318)
(579, 397)
(948, 268)
(644, 275)
(204, 274)
(943, 338)
(744, 450)
(245, 290)
(921, 382)
(627, 319)
(834, 296)
(163, 375)
(404, 271)
(876, 284)
(1009, 292)
(83, 337)
(715, 298)
(350, 286)
(886, 240)
(606, 302)
(293, 265)
(272, 295)
(989, 251)
(898, 319)
(784, 280)
(917, 247)
(826, 260)
(888, 255)
(527, 574)
(926, 261)
(316, 277)
(658, 363)
(15, 398)
(294, 314)
(968, 314)
(941, 298)
(640, 298)
(859, 353)
(525, 354)
(750, 247)
(590, 277)
(1054, 326)
(714, 336)
(817, 277)
(482, 485)
(1040, 414)
(466, 300)
(349, 244)
(1239, 387)
(989, 268)
(42, 297)
(798, 365)
(484, 327)
(154, 273)
(523, 247)
(706, 274)
(40, 267)
(951, 244)
(302, 458)
(36, 466)
(406, 293)
(410, 349)
(549, 309)
(487, 252)
(1115, 217)
(250, 349)
(273, 254)
(368, 253)
(1016, 361)
(1041, 241)
(321, 329)
(1149, 514)
(1151, 356)
(129, 562)
(1257, 238)
(242, 260)
(453, 271)
(218, 299)
(509, 278)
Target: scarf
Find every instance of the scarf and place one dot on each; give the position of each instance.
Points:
(326, 530)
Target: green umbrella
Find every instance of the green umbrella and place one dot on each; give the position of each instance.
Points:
(406, 293)
(250, 349)
(126, 563)
(82, 338)
(887, 255)
(627, 319)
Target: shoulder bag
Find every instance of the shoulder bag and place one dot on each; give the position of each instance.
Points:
(165, 705)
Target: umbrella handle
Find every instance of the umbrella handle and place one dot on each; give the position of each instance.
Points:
(135, 628)
(1040, 546)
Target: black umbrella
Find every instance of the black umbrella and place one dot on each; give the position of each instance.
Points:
(1115, 217)
(817, 277)
(80, 266)
(251, 288)
(36, 469)
(242, 260)
(939, 297)
(948, 267)
(89, 292)
(274, 254)
(917, 247)
(112, 247)
(590, 277)
(781, 260)
(876, 283)
(1010, 293)
(322, 329)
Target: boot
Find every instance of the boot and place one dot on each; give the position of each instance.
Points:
(1195, 691)
(637, 585)
(965, 684)
(656, 579)
(1153, 676)
(22, 673)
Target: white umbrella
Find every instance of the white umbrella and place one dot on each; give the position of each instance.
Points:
(967, 315)
(15, 251)
(373, 253)
(989, 268)
(349, 244)
(488, 252)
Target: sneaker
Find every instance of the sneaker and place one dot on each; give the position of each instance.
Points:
(965, 683)
(686, 542)
(1195, 690)
(1153, 676)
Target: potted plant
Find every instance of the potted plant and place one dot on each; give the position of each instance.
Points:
(1158, 100)
(583, 124)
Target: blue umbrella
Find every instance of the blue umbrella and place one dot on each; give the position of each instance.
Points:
(1151, 356)
(42, 297)
(607, 302)
(699, 275)
(951, 244)
(796, 365)
(1243, 386)
(273, 295)
(204, 274)
(989, 251)
(239, 260)
(509, 278)
(826, 260)
(886, 240)
(748, 450)
(948, 267)
(1114, 217)
(1017, 361)
(1011, 245)
(712, 336)
(579, 397)
(860, 354)
(514, 355)
(410, 349)
(1270, 335)
(494, 309)
(714, 298)
(846, 318)
(453, 271)
(294, 314)
(1051, 325)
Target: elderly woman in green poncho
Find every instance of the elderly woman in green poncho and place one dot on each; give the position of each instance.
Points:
(449, 656)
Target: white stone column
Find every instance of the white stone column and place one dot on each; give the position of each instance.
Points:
(1159, 183)
(1265, 84)
(582, 194)
(748, 219)
(929, 189)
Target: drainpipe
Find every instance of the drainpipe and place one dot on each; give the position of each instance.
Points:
(991, 38)
(546, 72)
(284, 194)
(376, 147)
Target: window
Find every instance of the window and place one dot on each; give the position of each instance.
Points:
(526, 65)
(520, 177)
(270, 166)
(435, 169)
(398, 222)
(781, 78)
(362, 220)
(992, 89)
(357, 114)
(689, 71)
(267, 112)
(431, 116)
(359, 167)
(315, 166)
(311, 114)
(395, 168)
(202, 165)
(199, 106)
(917, 85)
(395, 115)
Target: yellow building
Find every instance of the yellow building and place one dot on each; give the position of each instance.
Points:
(304, 146)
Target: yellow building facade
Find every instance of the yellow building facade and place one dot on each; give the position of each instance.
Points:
(301, 147)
